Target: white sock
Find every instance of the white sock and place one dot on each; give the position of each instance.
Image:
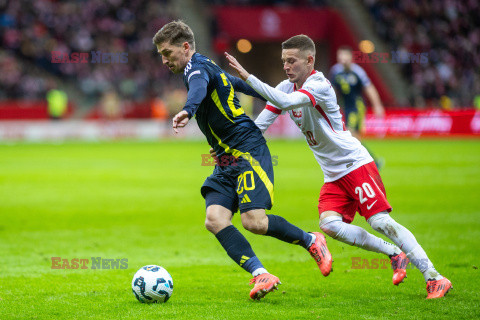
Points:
(403, 238)
(419, 259)
(356, 236)
(259, 271)
(313, 239)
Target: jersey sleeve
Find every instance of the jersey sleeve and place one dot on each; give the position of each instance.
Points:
(282, 100)
(197, 91)
(266, 118)
(316, 90)
(362, 75)
(241, 86)
(196, 72)
(196, 78)
(271, 107)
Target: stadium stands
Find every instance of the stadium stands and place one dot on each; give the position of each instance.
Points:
(31, 31)
(449, 31)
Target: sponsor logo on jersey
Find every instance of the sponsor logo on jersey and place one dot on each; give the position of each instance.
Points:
(245, 199)
(371, 205)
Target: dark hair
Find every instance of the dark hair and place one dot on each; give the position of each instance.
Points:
(176, 33)
(301, 42)
(345, 48)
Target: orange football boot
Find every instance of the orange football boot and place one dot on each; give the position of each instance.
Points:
(399, 266)
(438, 288)
(264, 283)
(319, 251)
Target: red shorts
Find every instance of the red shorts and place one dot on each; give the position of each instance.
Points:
(361, 190)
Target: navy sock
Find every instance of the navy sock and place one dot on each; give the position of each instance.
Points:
(238, 248)
(283, 230)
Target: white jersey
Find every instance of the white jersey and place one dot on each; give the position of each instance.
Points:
(319, 119)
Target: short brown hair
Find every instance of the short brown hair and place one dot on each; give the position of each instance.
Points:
(176, 33)
(345, 48)
(301, 42)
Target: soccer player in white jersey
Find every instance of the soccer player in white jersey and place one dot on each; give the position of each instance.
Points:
(352, 181)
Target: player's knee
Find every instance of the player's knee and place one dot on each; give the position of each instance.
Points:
(216, 221)
(216, 225)
(331, 225)
(382, 222)
(211, 225)
(255, 222)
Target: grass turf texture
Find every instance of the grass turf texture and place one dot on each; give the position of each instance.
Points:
(141, 201)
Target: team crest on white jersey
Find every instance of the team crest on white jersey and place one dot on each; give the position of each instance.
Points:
(297, 114)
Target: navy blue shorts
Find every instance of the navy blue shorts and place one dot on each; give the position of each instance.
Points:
(245, 182)
(355, 117)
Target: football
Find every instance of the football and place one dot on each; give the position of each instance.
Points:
(152, 284)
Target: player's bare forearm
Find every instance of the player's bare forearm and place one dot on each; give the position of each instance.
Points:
(180, 120)
(374, 98)
(242, 73)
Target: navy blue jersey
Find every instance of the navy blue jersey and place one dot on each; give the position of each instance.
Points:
(219, 114)
(349, 84)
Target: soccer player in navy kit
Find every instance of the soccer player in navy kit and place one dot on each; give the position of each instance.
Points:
(350, 81)
(245, 180)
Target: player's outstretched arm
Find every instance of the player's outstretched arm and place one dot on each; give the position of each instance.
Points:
(243, 87)
(281, 99)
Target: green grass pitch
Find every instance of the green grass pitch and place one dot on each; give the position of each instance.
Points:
(141, 201)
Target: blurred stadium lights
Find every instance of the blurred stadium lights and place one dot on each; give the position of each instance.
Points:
(366, 46)
(244, 46)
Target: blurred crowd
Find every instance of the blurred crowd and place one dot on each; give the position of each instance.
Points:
(449, 31)
(268, 2)
(31, 30)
